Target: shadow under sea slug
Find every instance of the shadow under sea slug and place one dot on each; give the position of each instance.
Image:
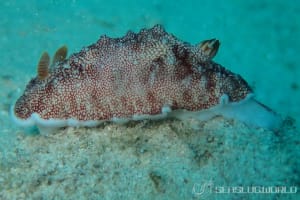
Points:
(145, 75)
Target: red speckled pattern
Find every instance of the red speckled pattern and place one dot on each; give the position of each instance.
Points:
(137, 74)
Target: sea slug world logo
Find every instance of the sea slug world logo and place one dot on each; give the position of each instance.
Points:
(208, 187)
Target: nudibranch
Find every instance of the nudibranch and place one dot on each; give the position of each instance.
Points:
(146, 75)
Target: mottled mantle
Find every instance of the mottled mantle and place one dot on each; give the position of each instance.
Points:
(137, 74)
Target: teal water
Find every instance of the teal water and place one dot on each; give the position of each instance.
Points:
(259, 41)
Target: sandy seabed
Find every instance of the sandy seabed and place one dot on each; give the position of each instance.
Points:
(153, 160)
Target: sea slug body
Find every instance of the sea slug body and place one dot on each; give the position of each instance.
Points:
(145, 75)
